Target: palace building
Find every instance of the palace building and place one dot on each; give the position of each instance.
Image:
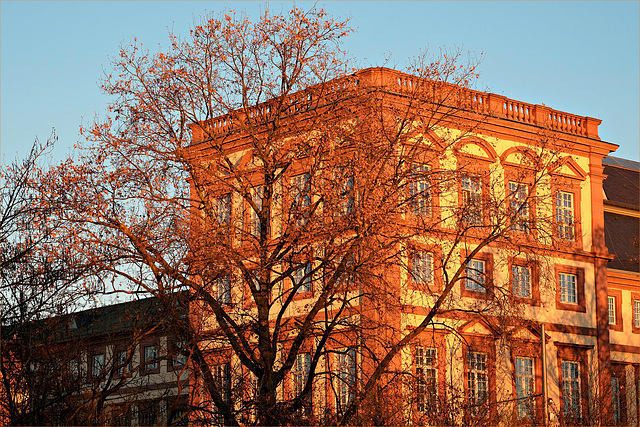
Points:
(509, 217)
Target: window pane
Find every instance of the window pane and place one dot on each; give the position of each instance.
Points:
(475, 276)
(568, 288)
(521, 281)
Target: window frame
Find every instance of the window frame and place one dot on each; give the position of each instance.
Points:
(534, 277)
(577, 354)
(92, 365)
(487, 258)
(635, 297)
(146, 368)
(572, 186)
(580, 304)
(618, 324)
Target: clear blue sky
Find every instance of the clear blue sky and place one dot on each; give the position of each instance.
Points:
(578, 57)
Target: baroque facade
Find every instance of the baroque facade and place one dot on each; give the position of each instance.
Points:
(487, 162)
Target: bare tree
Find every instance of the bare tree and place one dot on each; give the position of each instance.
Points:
(294, 198)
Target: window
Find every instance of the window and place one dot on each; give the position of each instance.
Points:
(179, 355)
(222, 377)
(346, 378)
(256, 225)
(302, 278)
(477, 383)
(564, 216)
(151, 357)
(525, 387)
(571, 398)
(346, 192)
(422, 267)
(419, 190)
(636, 313)
(616, 409)
(471, 187)
(74, 368)
(223, 209)
(426, 379)
(121, 360)
(97, 364)
(148, 413)
(301, 198)
(475, 276)
(568, 284)
(518, 205)
(301, 371)
(223, 289)
(521, 278)
(611, 303)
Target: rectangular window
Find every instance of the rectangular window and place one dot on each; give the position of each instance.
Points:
(223, 209)
(420, 190)
(256, 224)
(97, 364)
(302, 278)
(636, 314)
(179, 353)
(475, 276)
(222, 377)
(346, 378)
(518, 204)
(151, 357)
(615, 401)
(564, 216)
(223, 289)
(525, 387)
(611, 303)
(123, 366)
(521, 277)
(571, 396)
(471, 187)
(301, 370)
(346, 192)
(422, 267)
(301, 193)
(568, 288)
(477, 383)
(426, 379)
(74, 368)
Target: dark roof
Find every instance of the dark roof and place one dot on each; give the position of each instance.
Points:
(622, 184)
(621, 231)
(106, 320)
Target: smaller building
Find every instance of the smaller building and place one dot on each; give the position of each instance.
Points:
(621, 206)
(124, 364)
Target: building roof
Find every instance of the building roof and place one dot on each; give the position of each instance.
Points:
(107, 320)
(622, 212)
(622, 185)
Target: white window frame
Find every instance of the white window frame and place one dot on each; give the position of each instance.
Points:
(420, 190)
(427, 379)
(475, 275)
(222, 378)
(616, 407)
(571, 391)
(301, 200)
(346, 378)
(151, 357)
(611, 305)
(636, 313)
(471, 188)
(525, 386)
(477, 383)
(422, 267)
(565, 216)
(303, 278)
(519, 206)
(522, 281)
(97, 364)
(223, 289)
(568, 288)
